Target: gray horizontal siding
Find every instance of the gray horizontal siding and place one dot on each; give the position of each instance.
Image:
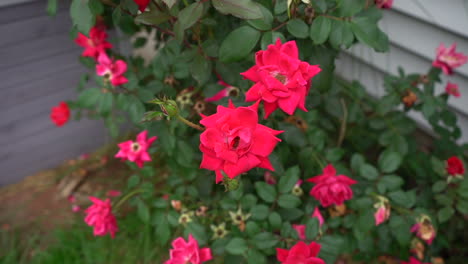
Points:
(38, 68)
(415, 31)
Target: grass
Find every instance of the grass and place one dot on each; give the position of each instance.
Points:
(134, 243)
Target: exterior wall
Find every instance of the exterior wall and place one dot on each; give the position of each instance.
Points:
(415, 29)
(38, 68)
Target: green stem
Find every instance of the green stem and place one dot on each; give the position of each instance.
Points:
(190, 124)
(126, 197)
(314, 155)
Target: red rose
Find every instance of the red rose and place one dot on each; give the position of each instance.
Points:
(454, 166)
(300, 253)
(234, 142)
(60, 114)
(142, 4)
(95, 44)
(281, 79)
(331, 188)
(99, 215)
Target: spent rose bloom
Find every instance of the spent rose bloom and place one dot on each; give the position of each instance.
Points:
(281, 79)
(234, 142)
(113, 193)
(142, 4)
(318, 215)
(60, 114)
(111, 70)
(99, 215)
(300, 253)
(136, 151)
(300, 229)
(188, 252)
(454, 166)
(424, 230)
(95, 44)
(447, 59)
(452, 89)
(384, 3)
(413, 260)
(331, 188)
(228, 90)
(269, 178)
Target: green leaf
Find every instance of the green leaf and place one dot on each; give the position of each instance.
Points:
(245, 9)
(89, 97)
(198, 231)
(320, 29)
(391, 182)
(445, 213)
(170, 3)
(265, 191)
(265, 240)
(439, 186)
(143, 212)
(290, 214)
(163, 231)
(389, 161)
(259, 212)
(252, 228)
(438, 166)
(275, 220)
(369, 172)
(135, 108)
(154, 17)
(336, 34)
(255, 257)
(288, 201)
(238, 44)
(248, 201)
(264, 23)
(201, 69)
(188, 16)
(357, 160)
(399, 197)
(462, 206)
(52, 6)
(269, 38)
(185, 153)
(366, 31)
(288, 180)
(81, 15)
(349, 8)
(96, 7)
(298, 28)
(400, 229)
(105, 103)
(312, 228)
(236, 246)
(334, 154)
(133, 181)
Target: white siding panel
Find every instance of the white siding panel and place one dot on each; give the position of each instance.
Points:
(421, 38)
(451, 15)
(351, 68)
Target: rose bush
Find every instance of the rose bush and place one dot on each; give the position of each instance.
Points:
(381, 194)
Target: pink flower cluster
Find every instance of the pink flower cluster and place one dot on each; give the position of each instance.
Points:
(188, 252)
(448, 59)
(99, 215)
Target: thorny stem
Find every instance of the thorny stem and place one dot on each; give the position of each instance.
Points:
(126, 197)
(190, 124)
(343, 122)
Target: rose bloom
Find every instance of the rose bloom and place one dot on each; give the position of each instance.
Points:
(142, 4)
(452, 89)
(384, 3)
(188, 252)
(318, 215)
(413, 261)
(331, 188)
(425, 231)
(99, 215)
(300, 253)
(111, 70)
(281, 79)
(447, 59)
(381, 215)
(136, 151)
(300, 229)
(454, 166)
(95, 44)
(60, 114)
(234, 142)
